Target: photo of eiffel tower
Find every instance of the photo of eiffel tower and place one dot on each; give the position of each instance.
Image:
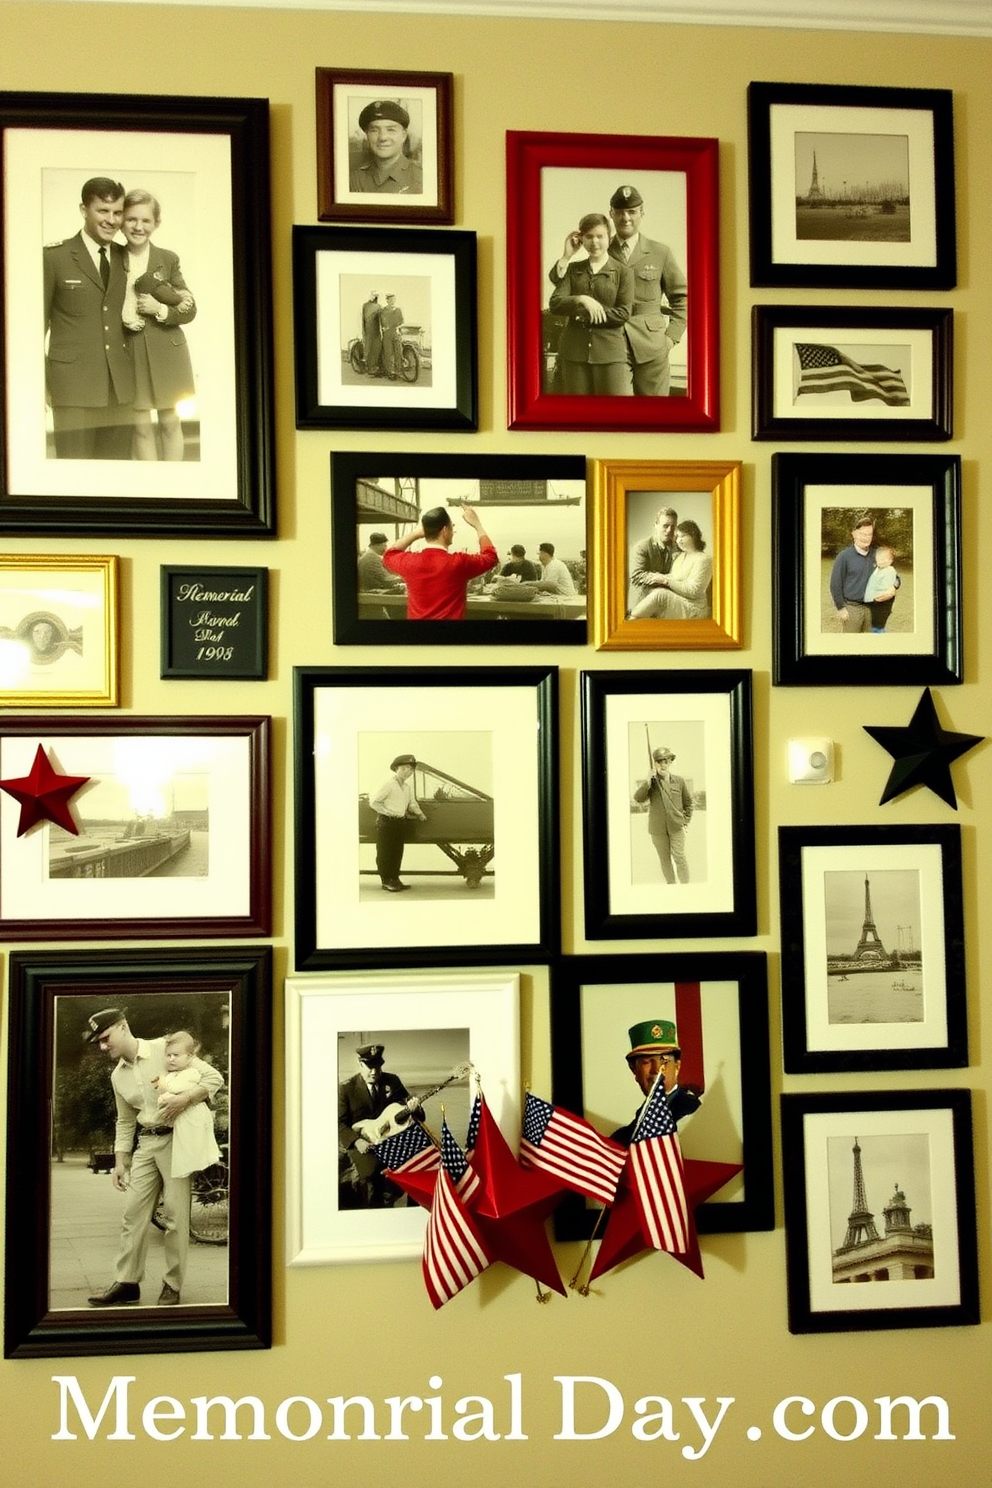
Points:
(903, 1251)
(874, 963)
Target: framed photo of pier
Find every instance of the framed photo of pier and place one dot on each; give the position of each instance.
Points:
(426, 816)
(881, 1189)
(385, 328)
(434, 1036)
(533, 509)
(851, 373)
(667, 804)
(163, 424)
(716, 1005)
(66, 1236)
(59, 631)
(867, 573)
(851, 187)
(146, 827)
(873, 951)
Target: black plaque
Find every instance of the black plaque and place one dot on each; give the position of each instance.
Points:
(214, 622)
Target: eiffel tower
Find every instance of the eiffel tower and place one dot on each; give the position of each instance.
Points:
(814, 193)
(860, 1222)
(869, 947)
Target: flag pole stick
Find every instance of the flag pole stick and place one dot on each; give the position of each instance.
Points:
(583, 1290)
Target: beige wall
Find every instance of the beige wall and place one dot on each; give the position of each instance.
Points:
(652, 1328)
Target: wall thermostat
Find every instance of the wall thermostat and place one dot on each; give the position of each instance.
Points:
(811, 761)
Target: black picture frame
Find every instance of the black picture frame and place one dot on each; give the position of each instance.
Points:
(359, 505)
(742, 1015)
(872, 388)
(911, 948)
(230, 487)
(785, 123)
(333, 389)
(810, 656)
(705, 711)
(93, 980)
(349, 724)
(214, 622)
(938, 1123)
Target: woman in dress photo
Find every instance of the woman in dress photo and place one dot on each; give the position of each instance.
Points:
(597, 296)
(684, 592)
(157, 304)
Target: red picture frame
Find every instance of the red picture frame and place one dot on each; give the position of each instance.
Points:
(536, 167)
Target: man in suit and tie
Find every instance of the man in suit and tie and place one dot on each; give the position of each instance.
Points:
(365, 1096)
(653, 327)
(89, 372)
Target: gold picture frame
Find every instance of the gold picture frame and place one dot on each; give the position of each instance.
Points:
(59, 631)
(627, 495)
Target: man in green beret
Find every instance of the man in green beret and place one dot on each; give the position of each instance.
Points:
(389, 170)
(655, 1053)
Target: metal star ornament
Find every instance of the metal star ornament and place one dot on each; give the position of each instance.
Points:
(923, 753)
(44, 795)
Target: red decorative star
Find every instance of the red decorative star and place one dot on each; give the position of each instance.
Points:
(44, 795)
(624, 1237)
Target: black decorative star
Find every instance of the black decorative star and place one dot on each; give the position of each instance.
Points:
(923, 752)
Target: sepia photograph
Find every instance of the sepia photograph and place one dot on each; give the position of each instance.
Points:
(494, 543)
(58, 631)
(881, 1189)
(139, 1146)
(873, 971)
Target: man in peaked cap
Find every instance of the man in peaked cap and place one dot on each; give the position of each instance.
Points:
(669, 813)
(653, 327)
(361, 1100)
(144, 1172)
(389, 170)
(372, 334)
(655, 1053)
(393, 803)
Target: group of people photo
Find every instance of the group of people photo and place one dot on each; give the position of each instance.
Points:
(119, 377)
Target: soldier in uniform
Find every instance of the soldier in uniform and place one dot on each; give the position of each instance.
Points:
(655, 1054)
(390, 320)
(653, 328)
(372, 334)
(88, 366)
(389, 169)
(669, 813)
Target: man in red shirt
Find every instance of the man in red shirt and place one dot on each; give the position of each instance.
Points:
(437, 579)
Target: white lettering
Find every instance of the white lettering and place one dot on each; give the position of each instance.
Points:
(913, 1408)
(433, 1404)
(640, 1428)
(230, 1408)
(397, 1406)
(282, 1418)
(694, 1401)
(339, 1405)
(860, 1418)
(568, 1383)
(117, 1390)
(171, 1411)
(516, 1431)
(778, 1417)
(199, 595)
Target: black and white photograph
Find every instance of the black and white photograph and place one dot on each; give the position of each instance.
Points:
(385, 328)
(58, 631)
(124, 234)
(851, 187)
(867, 574)
(496, 542)
(386, 1080)
(401, 1048)
(881, 1189)
(851, 373)
(142, 1128)
(670, 543)
(428, 811)
(163, 827)
(873, 971)
(666, 776)
(385, 148)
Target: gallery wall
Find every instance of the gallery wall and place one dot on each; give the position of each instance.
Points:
(651, 1328)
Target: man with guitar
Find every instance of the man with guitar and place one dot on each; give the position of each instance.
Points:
(363, 1121)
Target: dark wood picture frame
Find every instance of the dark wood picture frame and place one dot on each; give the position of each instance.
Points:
(949, 1296)
(749, 1098)
(232, 483)
(880, 406)
(620, 889)
(136, 767)
(333, 387)
(348, 724)
(922, 985)
(808, 657)
(339, 93)
(863, 229)
(359, 505)
(612, 160)
(32, 1328)
(223, 636)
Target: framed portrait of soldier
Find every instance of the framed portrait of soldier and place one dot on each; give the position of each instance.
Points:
(136, 314)
(385, 146)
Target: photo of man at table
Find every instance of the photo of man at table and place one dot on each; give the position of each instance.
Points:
(467, 549)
